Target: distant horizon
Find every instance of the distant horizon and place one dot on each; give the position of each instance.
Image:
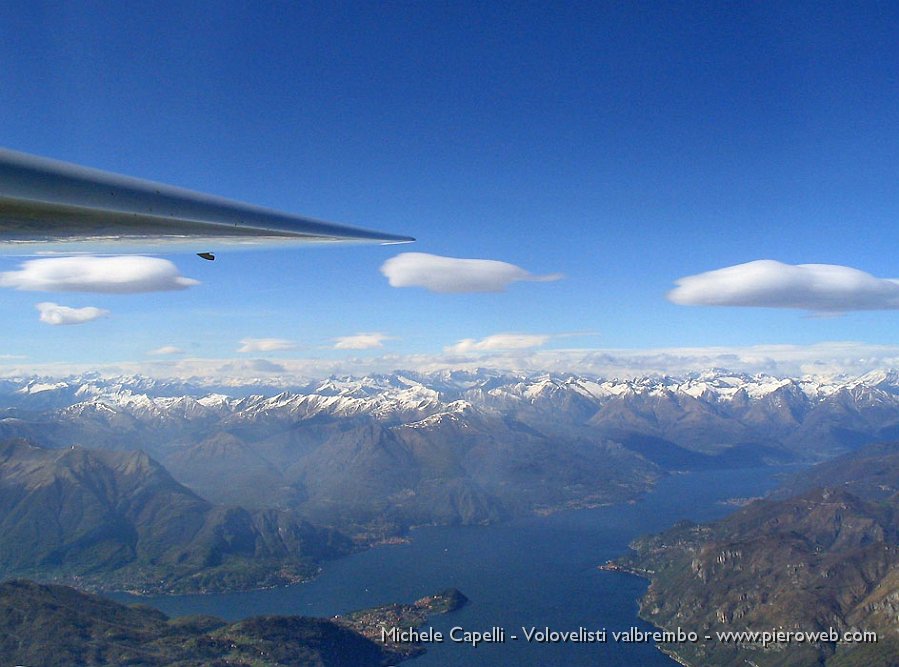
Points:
(604, 365)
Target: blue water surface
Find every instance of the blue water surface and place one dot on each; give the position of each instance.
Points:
(537, 571)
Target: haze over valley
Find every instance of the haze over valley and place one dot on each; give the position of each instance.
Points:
(244, 489)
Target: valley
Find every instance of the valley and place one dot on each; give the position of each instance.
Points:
(197, 487)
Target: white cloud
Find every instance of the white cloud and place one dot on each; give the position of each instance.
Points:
(115, 275)
(53, 313)
(361, 341)
(496, 342)
(265, 345)
(166, 349)
(453, 275)
(768, 283)
(237, 367)
(822, 359)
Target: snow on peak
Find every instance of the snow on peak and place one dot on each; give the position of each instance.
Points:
(407, 396)
(39, 387)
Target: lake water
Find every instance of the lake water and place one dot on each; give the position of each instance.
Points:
(538, 571)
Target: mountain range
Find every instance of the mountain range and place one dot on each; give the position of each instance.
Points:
(117, 519)
(198, 489)
(375, 454)
(822, 552)
(815, 417)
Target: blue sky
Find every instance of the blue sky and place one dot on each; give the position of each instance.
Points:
(626, 146)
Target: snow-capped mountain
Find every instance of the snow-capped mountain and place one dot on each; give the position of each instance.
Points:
(660, 405)
(465, 446)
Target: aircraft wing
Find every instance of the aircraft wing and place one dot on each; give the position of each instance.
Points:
(53, 207)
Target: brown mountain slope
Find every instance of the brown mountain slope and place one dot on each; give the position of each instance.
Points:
(824, 559)
(118, 519)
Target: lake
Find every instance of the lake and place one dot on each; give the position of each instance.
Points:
(537, 571)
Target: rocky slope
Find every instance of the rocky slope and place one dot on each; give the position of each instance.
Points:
(826, 558)
(376, 454)
(118, 519)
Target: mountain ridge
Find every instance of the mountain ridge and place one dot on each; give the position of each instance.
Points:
(821, 553)
(379, 453)
(114, 519)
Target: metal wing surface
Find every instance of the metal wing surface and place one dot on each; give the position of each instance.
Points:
(53, 207)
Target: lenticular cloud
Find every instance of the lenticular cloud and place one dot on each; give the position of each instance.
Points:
(360, 341)
(770, 284)
(454, 275)
(497, 342)
(53, 313)
(265, 345)
(128, 274)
